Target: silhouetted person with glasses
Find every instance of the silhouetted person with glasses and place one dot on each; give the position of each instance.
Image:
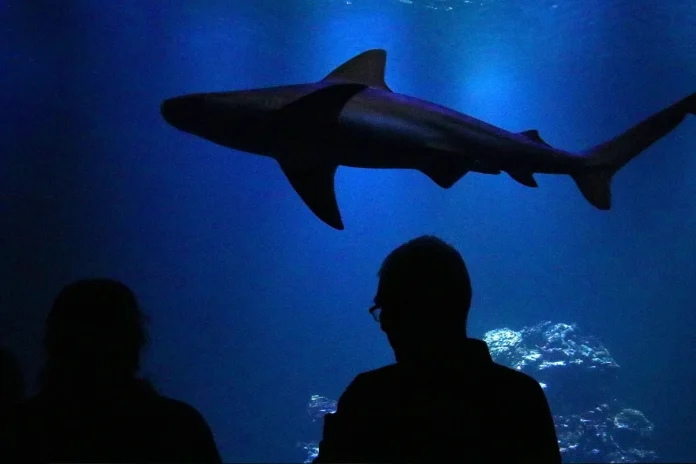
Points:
(444, 399)
(92, 407)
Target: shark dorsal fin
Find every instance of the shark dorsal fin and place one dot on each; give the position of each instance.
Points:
(366, 68)
(534, 135)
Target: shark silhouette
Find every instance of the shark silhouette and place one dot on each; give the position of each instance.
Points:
(352, 118)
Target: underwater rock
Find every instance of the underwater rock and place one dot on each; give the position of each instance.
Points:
(605, 434)
(312, 450)
(576, 370)
(319, 406)
(577, 373)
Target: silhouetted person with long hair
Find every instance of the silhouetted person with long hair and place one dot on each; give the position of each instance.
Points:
(444, 399)
(91, 405)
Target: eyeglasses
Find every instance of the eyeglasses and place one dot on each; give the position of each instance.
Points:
(376, 312)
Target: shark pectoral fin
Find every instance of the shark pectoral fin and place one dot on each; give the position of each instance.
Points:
(534, 135)
(524, 178)
(366, 68)
(315, 185)
(312, 116)
(445, 175)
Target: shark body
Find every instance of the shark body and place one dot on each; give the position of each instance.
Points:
(352, 118)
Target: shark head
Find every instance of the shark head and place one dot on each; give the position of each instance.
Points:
(184, 112)
(223, 118)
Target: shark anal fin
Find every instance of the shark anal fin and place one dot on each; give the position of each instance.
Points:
(366, 68)
(524, 178)
(445, 175)
(314, 183)
(311, 117)
(534, 135)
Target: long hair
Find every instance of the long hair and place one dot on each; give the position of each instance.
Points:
(95, 326)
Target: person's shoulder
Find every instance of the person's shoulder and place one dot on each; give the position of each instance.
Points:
(176, 406)
(26, 404)
(514, 379)
(366, 387)
(380, 372)
(187, 431)
(29, 407)
(177, 410)
(372, 381)
(25, 415)
(380, 375)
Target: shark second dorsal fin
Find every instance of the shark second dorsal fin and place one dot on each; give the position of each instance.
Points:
(533, 134)
(367, 68)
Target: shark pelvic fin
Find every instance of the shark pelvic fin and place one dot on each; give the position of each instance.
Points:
(534, 135)
(445, 175)
(366, 68)
(314, 183)
(524, 178)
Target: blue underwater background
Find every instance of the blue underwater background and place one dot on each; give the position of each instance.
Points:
(254, 303)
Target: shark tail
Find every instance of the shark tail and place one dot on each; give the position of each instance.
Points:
(604, 160)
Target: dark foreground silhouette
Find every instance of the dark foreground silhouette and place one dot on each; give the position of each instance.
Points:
(444, 399)
(92, 406)
(11, 382)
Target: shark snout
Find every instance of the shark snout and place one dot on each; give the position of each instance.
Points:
(180, 111)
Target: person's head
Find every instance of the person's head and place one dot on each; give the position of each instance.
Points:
(423, 297)
(95, 327)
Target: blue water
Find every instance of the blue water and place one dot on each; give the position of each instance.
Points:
(255, 304)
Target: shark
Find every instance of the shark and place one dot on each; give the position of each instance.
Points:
(352, 118)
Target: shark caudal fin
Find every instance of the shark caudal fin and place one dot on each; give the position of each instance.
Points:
(603, 161)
